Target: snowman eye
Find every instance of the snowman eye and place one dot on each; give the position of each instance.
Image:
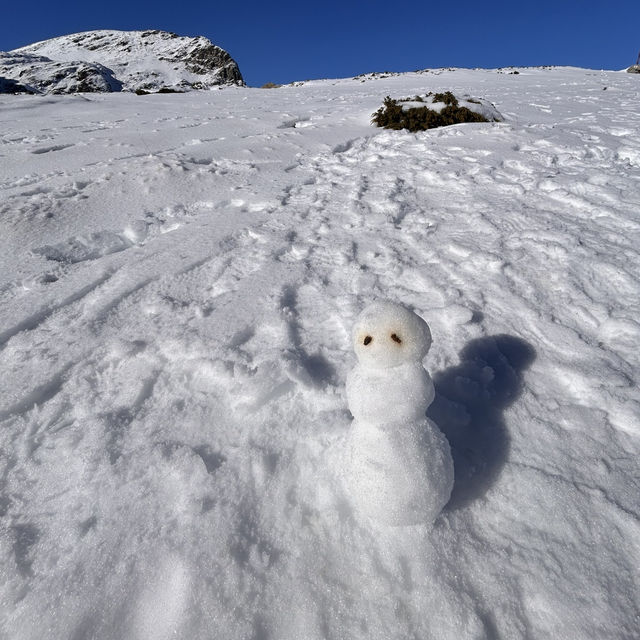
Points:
(396, 338)
(367, 340)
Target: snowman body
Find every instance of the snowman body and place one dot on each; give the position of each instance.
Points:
(380, 396)
(398, 467)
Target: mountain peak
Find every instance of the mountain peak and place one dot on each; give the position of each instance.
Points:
(110, 60)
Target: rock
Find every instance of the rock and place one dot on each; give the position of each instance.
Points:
(27, 73)
(8, 85)
(634, 68)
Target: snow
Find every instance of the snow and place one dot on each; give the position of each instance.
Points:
(380, 396)
(179, 278)
(388, 383)
(33, 74)
(119, 60)
(386, 334)
(477, 105)
(395, 464)
(396, 474)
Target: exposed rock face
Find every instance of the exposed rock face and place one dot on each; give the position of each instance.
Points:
(8, 85)
(634, 68)
(117, 61)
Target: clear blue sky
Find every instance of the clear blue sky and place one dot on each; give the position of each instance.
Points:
(285, 41)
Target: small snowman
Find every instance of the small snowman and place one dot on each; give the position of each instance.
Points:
(398, 467)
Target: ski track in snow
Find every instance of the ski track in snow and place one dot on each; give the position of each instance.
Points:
(179, 279)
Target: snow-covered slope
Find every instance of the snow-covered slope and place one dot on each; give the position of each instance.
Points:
(178, 285)
(29, 73)
(115, 60)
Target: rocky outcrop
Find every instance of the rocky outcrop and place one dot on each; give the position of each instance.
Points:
(142, 61)
(26, 73)
(9, 85)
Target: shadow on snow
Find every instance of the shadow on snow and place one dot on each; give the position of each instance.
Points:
(469, 406)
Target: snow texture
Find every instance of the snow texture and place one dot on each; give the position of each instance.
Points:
(387, 334)
(179, 275)
(389, 383)
(379, 396)
(397, 473)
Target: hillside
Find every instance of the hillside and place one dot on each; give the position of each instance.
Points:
(119, 61)
(179, 276)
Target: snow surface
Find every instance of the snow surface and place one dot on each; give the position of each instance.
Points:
(180, 274)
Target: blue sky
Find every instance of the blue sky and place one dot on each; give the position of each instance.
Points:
(286, 41)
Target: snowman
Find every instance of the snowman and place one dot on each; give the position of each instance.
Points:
(398, 467)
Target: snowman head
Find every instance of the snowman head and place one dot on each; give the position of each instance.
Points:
(387, 334)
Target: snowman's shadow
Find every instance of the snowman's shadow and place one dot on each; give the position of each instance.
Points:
(469, 409)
